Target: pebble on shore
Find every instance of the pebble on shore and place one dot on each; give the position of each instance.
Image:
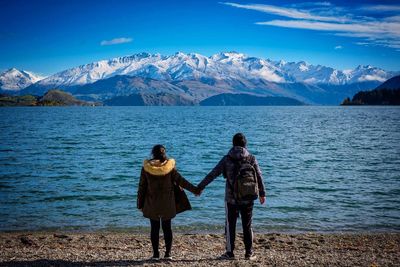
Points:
(129, 249)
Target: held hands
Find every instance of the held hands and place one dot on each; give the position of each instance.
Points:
(198, 192)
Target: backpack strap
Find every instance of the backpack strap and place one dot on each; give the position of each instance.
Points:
(251, 159)
(235, 162)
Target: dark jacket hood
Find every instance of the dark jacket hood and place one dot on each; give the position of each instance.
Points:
(238, 152)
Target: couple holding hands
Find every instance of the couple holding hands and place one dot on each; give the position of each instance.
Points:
(160, 198)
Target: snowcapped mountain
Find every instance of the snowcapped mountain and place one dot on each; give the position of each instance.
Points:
(176, 67)
(222, 66)
(197, 77)
(14, 80)
(311, 74)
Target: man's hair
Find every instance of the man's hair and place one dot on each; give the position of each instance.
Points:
(239, 140)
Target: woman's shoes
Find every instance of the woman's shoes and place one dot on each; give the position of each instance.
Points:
(156, 257)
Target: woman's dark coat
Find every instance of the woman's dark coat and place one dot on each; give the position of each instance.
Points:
(156, 196)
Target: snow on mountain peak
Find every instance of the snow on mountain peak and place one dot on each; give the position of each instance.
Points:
(281, 63)
(303, 66)
(15, 80)
(222, 66)
(228, 56)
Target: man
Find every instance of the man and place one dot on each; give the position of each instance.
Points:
(229, 166)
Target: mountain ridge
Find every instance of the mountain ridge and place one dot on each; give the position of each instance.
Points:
(15, 80)
(198, 77)
(181, 66)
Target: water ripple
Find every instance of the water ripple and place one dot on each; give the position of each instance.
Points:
(325, 168)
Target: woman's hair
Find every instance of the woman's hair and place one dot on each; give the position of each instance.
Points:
(158, 152)
(239, 140)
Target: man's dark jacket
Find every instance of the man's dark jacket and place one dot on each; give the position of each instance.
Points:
(226, 166)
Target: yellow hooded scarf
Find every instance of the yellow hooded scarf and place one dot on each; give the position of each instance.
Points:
(155, 167)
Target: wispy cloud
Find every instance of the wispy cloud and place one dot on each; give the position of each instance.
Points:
(382, 33)
(305, 4)
(380, 8)
(285, 12)
(121, 40)
(381, 29)
(338, 47)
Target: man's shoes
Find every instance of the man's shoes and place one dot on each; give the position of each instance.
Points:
(167, 256)
(227, 256)
(250, 257)
(155, 257)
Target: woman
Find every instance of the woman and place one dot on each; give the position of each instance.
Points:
(156, 197)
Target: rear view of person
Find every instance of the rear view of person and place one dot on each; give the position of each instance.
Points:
(243, 185)
(156, 197)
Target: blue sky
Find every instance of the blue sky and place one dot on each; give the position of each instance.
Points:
(50, 36)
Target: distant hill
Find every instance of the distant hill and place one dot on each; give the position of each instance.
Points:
(388, 93)
(12, 101)
(248, 100)
(393, 83)
(50, 98)
(60, 98)
(160, 99)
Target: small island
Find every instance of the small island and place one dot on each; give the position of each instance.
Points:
(53, 97)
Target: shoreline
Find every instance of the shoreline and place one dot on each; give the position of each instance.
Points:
(63, 248)
(189, 230)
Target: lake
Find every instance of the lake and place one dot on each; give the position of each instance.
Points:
(326, 169)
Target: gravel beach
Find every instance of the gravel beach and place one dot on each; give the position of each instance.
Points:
(130, 249)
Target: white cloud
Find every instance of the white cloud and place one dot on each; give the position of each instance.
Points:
(338, 47)
(121, 40)
(305, 4)
(393, 19)
(363, 29)
(375, 29)
(382, 33)
(286, 12)
(371, 78)
(380, 8)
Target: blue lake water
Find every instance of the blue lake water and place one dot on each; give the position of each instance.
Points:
(325, 168)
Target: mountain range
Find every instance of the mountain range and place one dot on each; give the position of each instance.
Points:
(195, 77)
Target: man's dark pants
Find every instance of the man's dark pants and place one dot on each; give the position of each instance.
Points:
(232, 213)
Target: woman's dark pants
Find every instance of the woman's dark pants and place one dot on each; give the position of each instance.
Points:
(155, 235)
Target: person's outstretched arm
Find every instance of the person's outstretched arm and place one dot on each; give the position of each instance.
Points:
(182, 182)
(260, 182)
(142, 188)
(214, 173)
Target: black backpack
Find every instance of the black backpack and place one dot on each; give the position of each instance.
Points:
(245, 186)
